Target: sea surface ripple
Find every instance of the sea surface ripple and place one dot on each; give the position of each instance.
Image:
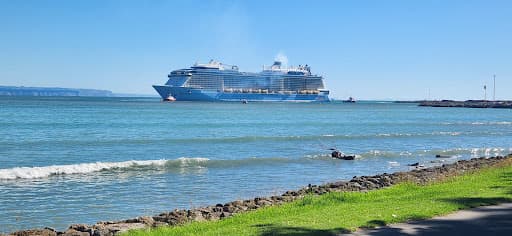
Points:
(67, 160)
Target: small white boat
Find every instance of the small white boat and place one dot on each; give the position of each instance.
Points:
(170, 99)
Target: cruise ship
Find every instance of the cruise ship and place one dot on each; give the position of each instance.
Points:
(216, 81)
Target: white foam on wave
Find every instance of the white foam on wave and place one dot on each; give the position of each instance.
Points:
(45, 171)
(393, 163)
(188, 162)
(492, 123)
(478, 123)
(447, 133)
(502, 123)
(319, 156)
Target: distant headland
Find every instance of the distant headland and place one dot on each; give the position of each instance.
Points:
(63, 92)
(46, 91)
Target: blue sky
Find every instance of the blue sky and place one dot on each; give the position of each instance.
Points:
(365, 49)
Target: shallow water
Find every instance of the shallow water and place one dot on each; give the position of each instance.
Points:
(81, 160)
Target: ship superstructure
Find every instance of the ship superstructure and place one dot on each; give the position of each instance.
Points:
(215, 81)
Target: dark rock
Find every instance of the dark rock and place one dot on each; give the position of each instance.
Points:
(120, 227)
(159, 224)
(214, 215)
(218, 208)
(228, 208)
(80, 227)
(355, 185)
(264, 203)
(251, 205)
(442, 156)
(147, 220)
(72, 232)
(102, 232)
(276, 198)
(225, 214)
(35, 232)
(197, 215)
(237, 203)
(131, 220)
(107, 222)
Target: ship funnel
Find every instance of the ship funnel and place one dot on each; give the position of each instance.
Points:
(277, 65)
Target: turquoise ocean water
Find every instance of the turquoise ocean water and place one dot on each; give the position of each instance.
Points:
(67, 160)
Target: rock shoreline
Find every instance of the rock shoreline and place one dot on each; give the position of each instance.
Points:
(468, 104)
(220, 211)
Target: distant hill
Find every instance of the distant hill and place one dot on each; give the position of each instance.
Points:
(43, 91)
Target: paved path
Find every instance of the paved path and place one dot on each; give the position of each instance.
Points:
(489, 220)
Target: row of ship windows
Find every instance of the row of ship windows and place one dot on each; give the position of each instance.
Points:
(263, 88)
(258, 83)
(238, 76)
(248, 79)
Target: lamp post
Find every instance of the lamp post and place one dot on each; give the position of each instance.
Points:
(494, 88)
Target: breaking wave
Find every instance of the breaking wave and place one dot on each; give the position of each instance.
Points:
(46, 171)
(170, 165)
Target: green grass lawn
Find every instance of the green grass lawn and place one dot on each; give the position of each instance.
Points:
(338, 212)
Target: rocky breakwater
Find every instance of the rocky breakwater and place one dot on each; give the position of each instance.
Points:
(468, 104)
(220, 211)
